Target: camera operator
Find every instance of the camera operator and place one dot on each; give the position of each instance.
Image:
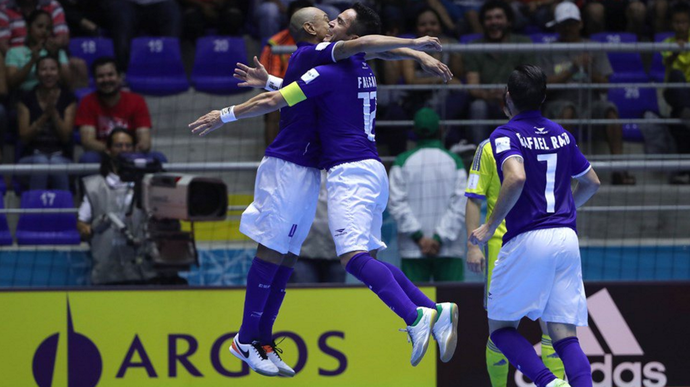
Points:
(111, 224)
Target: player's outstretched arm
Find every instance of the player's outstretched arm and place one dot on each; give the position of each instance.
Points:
(428, 63)
(381, 43)
(587, 186)
(257, 106)
(256, 77)
(513, 181)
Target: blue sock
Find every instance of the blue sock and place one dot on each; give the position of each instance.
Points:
(522, 356)
(259, 281)
(412, 291)
(575, 361)
(275, 300)
(380, 280)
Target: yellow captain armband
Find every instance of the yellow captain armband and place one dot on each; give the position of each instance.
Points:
(293, 94)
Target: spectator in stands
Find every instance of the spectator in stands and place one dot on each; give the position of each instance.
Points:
(574, 67)
(21, 60)
(678, 71)
(128, 17)
(276, 65)
(85, 17)
(226, 16)
(13, 29)
(13, 32)
(428, 23)
(492, 67)
(45, 117)
(318, 261)
(615, 16)
(115, 260)
(428, 204)
(110, 107)
(532, 13)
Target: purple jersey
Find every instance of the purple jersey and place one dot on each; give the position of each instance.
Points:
(551, 158)
(298, 141)
(345, 97)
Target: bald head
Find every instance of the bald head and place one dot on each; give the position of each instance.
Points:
(308, 24)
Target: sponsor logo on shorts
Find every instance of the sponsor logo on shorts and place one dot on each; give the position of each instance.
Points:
(293, 229)
(339, 232)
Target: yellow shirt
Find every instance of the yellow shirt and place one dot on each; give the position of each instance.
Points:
(484, 182)
(682, 62)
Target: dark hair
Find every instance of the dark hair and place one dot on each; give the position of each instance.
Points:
(107, 161)
(527, 87)
(493, 4)
(102, 61)
(680, 7)
(424, 10)
(367, 21)
(35, 14)
(47, 57)
(297, 5)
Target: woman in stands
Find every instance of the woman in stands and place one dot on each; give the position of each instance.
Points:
(45, 117)
(21, 61)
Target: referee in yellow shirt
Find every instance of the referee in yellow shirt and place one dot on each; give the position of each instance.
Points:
(484, 184)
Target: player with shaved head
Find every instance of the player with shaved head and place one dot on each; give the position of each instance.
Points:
(288, 178)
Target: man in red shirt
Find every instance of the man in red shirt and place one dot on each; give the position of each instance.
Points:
(110, 107)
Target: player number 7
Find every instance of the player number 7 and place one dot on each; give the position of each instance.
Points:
(369, 115)
(551, 162)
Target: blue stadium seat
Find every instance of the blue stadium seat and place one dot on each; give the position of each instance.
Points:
(469, 38)
(47, 229)
(633, 102)
(214, 64)
(627, 66)
(91, 49)
(658, 71)
(5, 235)
(155, 66)
(545, 37)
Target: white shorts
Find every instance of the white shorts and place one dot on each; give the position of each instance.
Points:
(538, 274)
(285, 197)
(357, 197)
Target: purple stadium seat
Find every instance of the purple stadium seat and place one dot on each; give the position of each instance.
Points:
(627, 66)
(47, 229)
(544, 37)
(5, 235)
(633, 102)
(658, 71)
(469, 38)
(91, 49)
(214, 64)
(155, 66)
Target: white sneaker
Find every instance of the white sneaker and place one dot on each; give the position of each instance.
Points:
(558, 383)
(446, 330)
(419, 334)
(273, 355)
(254, 355)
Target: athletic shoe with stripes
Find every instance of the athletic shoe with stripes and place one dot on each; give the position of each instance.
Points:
(446, 330)
(419, 333)
(273, 353)
(255, 356)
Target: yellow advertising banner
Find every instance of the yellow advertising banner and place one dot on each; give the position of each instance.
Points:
(331, 336)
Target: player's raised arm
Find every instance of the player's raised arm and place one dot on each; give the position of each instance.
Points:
(381, 43)
(257, 106)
